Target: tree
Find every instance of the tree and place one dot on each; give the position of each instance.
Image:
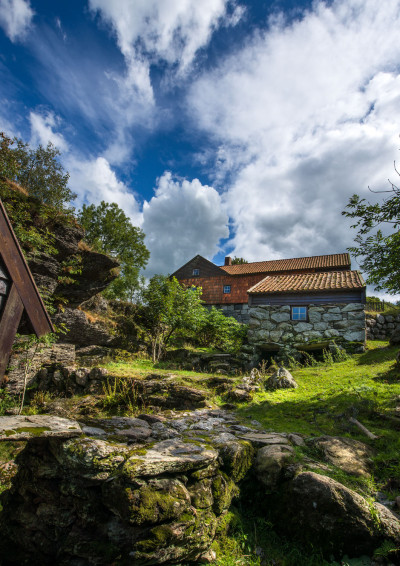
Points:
(239, 261)
(40, 172)
(169, 307)
(379, 253)
(109, 230)
(220, 331)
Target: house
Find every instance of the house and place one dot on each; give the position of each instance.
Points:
(303, 302)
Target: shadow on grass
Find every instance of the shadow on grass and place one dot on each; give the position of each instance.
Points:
(318, 416)
(390, 377)
(378, 355)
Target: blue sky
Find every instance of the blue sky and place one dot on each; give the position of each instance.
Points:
(237, 127)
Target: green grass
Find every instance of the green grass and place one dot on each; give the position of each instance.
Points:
(365, 386)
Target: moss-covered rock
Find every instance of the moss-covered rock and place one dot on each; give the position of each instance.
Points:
(224, 490)
(237, 458)
(186, 539)
(151, 502)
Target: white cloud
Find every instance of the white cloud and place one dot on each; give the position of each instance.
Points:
(15, 18)
(42, 130)
(183, 219)
(94, 180)
(304, 116)
(173, 31)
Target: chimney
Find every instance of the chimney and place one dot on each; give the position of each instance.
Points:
(228, 260)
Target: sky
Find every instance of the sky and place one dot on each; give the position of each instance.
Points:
(221, 127)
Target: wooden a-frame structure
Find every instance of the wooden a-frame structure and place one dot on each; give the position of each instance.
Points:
(18, 292)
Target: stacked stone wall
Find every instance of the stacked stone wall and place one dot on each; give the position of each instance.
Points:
(381, 326)
(271, 327)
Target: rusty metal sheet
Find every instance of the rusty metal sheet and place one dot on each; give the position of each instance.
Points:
(9, 322)
(21, 276)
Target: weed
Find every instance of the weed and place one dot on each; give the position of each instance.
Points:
(6, 401)
(121, 392)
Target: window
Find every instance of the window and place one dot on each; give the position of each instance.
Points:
(299, 313)
(196, 272)
(227, 289)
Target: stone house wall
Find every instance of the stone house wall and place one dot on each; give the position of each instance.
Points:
(270, 326)
(381, 326)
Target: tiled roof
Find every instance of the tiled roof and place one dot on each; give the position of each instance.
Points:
(314, 262)
(300, 282)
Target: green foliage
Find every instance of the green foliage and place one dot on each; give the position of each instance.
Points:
(109, 230)
(37, 170)
(239, 261)
(379, 253)
(219, 331)
(6, 401)
(168, 307)
(33, 214)
(120, 393)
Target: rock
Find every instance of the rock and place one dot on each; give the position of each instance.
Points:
(169, 456)
(237, 458)
(333, 517)
(21, 427)
(167, 394)
(259, 439)
(351, 456)
(395, 337)
(272, 464)
(97, 272)
(151, 502)
(239, 395)
(81, 376)
(135, 434)
(281, 379)
(54, 355)
(81, 331)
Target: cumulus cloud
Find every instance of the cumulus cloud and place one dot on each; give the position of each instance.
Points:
(304, 116)
(42, 130)
(173, 31)
(15, 18)
(94, 180)
(184, 218)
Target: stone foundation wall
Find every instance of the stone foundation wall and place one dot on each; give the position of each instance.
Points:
(271, 327)
(381, 326)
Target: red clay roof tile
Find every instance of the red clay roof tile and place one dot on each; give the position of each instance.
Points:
(314, 262)
(301, 282)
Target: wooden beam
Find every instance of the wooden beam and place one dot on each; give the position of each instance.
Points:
(9, 322)
(21, 276)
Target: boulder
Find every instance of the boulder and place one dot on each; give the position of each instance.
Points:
(82, 332)
(351, 456)
(281, 379)
(272, 464)
(333, 517)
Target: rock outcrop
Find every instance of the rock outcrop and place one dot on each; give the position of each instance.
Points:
(335, 518)
(117, 497)
(154, 489)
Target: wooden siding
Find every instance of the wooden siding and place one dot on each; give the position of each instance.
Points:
(205, 267)
(308, 298)
(213, 288)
